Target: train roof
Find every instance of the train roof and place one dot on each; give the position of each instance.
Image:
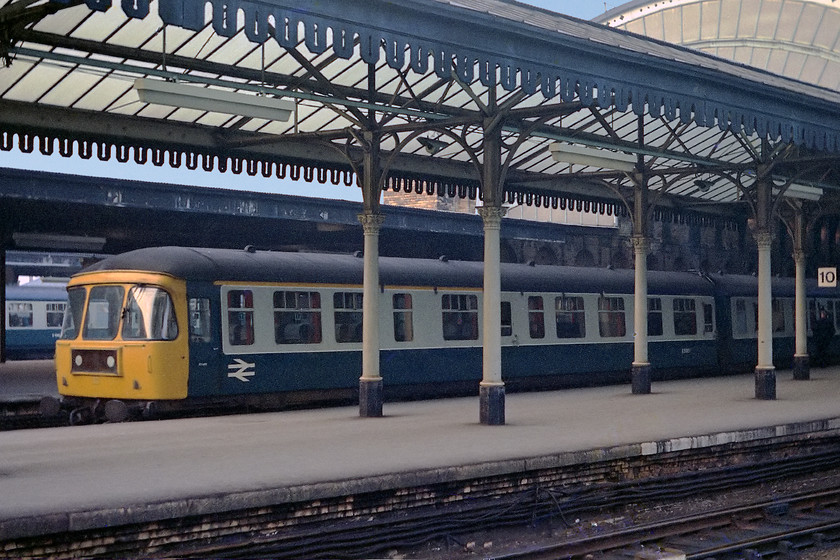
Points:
(229, 265)
(36, 292)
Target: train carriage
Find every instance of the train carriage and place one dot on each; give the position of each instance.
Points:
(173, 328)
(33, 315)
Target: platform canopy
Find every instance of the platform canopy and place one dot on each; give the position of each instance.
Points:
(581, 103)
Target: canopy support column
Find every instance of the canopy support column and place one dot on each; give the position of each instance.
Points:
(765, 372)
(801, 359)
(492, 388)
(370, 383)
(641, 370)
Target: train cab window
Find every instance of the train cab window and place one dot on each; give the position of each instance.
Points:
(20, 314)
(199, 319)
(459, 314)
(149, 315)
(611, 321)
(570, 317)
(297, 317)
(104, 308)
(240, 305)
(685, 316)
(75, 307)
(55, 314)
(403, 318)
(507, 319)
(778, 309)
(536, 317)
(348, 316)
(654, 317)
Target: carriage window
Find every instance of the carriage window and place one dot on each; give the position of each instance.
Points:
(685, 316)
(199, 320)
(348, 316)
(76, 303)
(459, 316)
(403, 321)
(20, 314)
(611, 317)
(55, 314)
(654, 317)
(507, 319)
(297, 317)
(149, 315)
(104, 308)
(240, 304)
(778, 315)
(708, 318)
(536, 317)
(570, 317)
(740, 322)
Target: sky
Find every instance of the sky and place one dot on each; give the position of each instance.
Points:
(584, 9)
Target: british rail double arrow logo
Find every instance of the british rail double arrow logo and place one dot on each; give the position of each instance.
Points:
(242, 370)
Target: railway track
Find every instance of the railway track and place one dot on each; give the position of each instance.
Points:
(762, 530)
(25, 414)
(797, 520)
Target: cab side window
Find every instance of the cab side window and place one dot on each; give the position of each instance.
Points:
(199, 320)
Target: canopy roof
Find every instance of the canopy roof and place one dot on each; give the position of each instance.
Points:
(417, 70)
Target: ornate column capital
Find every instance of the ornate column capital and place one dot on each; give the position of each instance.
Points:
(641, 244)
(492, 216)
(799, 256)
(371, 223)
(764, 239)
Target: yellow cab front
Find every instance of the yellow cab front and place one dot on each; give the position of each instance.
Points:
(124, 337)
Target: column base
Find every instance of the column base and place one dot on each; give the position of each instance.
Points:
(765, 383)
(492, 404)
(802, 367)
(370, 398)
(640, 378)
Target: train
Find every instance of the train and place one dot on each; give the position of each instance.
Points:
(34, 315)
(172, 329)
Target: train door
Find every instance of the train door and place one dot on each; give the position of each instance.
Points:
(724, 332)
(205, 342)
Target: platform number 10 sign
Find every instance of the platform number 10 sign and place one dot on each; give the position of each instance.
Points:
(827, 277)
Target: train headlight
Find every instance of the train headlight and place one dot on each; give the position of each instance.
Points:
(95, 361)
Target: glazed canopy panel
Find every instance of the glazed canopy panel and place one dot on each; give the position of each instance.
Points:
(420, 69)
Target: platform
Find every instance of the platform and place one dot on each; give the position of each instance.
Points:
(82, 477)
